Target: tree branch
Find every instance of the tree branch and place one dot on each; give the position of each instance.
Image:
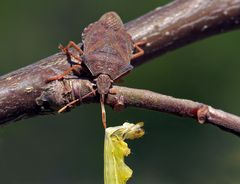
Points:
(24, 93)
(181, 107)
(183, 22)
(58, 93)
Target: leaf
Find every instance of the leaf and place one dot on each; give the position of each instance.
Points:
(115, 149)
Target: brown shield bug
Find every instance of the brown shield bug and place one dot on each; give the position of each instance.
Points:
(107, 52)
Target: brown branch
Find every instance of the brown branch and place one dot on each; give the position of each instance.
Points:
(59, 93)
(181, 107)
(183, 22)
(24, 93)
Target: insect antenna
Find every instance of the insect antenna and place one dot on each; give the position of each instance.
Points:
(75, 101)
(104, 119)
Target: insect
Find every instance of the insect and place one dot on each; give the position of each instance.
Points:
(107, 52)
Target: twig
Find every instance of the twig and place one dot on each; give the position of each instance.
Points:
(24, 93)
(59, 93)
(181, 107)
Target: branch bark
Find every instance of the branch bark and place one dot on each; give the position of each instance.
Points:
(24, 93)
(154, 101)
(183, 22)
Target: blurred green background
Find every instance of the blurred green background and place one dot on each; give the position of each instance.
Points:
(68, 148)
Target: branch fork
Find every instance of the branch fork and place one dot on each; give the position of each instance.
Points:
(24, 92)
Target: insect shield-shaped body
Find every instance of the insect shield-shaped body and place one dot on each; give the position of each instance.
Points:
(107, 52)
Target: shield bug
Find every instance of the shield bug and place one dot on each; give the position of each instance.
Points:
(107, 52)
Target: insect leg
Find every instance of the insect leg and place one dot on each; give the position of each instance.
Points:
(74, 45)
(140, 51)
(70, 104)
(66, 50)
(66, 72)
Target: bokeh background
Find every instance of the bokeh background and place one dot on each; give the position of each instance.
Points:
(68, 148)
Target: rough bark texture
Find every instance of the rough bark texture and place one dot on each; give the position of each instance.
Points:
(24, 92)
